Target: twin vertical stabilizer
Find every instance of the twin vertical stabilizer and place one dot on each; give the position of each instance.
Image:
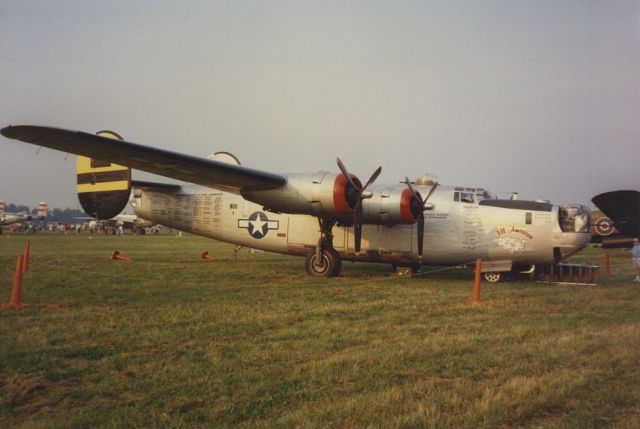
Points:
(103, 187)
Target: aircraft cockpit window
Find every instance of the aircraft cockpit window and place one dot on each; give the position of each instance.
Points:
(483, 194)
(463, 197)
(471, 195)
(574, 218)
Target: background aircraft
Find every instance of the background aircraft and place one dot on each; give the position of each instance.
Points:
(617, 221)
(326, 217)
(127, 221)
(11, 218)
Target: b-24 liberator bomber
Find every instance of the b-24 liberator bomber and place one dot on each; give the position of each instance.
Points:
(326, 217)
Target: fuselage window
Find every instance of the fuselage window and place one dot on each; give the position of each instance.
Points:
(527, 218)
(464, 197)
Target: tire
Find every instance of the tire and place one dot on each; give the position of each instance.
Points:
(493, 276)
(329, 265)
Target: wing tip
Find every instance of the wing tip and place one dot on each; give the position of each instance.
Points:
(6, 131)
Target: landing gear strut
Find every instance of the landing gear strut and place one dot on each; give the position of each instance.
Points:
(324, 261)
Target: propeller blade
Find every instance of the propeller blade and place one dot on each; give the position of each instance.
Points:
(347, 175)
(373, 177)
(357, 225)
(433, 188)
(420, 233)
(361, 195)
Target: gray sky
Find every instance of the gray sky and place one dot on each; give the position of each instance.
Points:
(540, 97)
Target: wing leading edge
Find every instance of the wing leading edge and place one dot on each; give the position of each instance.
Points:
(201, 171)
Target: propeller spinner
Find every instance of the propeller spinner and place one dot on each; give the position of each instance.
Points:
(355, 194)
(418, 206)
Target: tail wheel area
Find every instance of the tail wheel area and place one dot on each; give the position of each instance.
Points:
(493, 277)
(328, 264)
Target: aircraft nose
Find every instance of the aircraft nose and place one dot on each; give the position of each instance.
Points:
(573, 243)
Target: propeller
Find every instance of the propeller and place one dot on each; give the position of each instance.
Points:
(418, 206)
(354, 195)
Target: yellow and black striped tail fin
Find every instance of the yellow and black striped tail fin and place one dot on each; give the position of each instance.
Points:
(103, 187)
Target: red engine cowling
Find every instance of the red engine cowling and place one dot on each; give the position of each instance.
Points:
(391, 205)
(319, 194)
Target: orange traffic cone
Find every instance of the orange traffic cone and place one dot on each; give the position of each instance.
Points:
(116, 256)
(16, 291)
(205, 255)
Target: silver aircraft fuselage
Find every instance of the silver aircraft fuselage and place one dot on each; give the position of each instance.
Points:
(457, 230)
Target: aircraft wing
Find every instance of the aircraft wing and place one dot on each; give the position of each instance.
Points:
(623, 208)
(201, 171)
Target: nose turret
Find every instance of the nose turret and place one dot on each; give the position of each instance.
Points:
(574, 221)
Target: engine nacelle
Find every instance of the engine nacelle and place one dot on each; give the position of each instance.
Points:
(319, 194)
(390, 205)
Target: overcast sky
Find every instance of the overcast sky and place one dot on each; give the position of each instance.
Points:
(540, 97)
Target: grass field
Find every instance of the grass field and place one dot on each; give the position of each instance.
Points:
(171, 340)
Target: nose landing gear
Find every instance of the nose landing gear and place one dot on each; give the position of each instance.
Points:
(493, 276)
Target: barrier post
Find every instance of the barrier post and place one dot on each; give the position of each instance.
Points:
(16, 291)
(475, 295)
(27, 255)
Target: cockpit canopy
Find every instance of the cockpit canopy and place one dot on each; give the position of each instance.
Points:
(472, 195)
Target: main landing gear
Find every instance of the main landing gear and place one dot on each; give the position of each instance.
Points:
(324, 261)
(327, 265)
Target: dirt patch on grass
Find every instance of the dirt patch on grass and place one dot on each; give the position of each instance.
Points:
(29, 394)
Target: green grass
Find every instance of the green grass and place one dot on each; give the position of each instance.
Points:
(170, 340)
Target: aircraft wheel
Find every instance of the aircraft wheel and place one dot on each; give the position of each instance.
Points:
(329, 264)
(493, 277)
